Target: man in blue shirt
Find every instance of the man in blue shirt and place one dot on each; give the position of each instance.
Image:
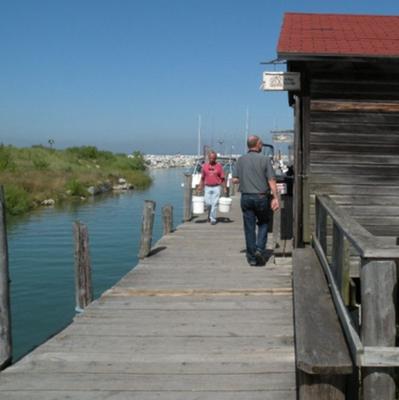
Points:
(257, 184)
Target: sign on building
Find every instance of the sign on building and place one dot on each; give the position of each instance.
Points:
(281, 81)
(283, 136)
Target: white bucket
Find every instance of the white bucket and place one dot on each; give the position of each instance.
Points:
(198, 204)
(195, 180)
(225, 204)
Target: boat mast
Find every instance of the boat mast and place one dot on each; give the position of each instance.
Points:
(199, 135)
(246, 130)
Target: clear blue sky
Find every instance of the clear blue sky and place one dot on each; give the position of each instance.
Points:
(128, 75)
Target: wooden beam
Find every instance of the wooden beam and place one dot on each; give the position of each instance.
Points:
(380, 356)
(5, 312)
(146, 228)
(321, 225)
(187, 215)
(352, 336)
(297, 190)
(378, 299)
(320, 344)
(167, 218)
(83, 282)
(348, 106)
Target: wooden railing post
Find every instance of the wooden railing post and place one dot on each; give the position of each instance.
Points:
(83, 283)
(146, 228)
(341, 262)
(378, 292)
(187, 197)
(321, 225)
(5, 314)
(277, 226)
(337, 253)
(167, 218)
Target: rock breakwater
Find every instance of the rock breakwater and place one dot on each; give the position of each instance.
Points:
(169, 161)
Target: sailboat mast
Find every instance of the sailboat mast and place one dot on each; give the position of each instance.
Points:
(199, 136)
(246, 129)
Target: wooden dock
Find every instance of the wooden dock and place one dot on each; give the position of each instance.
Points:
(192, 321)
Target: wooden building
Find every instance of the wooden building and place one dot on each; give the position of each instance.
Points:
(346, 116)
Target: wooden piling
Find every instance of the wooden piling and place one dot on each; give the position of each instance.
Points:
(5, 313)
(187, 197)
(378, 291)
(167, 218)
(146, 228)
(83, 282)
(232, 188)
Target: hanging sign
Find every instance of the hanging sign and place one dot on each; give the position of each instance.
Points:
(281, 81)
(283, 138)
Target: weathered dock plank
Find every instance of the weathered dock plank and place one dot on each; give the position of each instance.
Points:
(192, 321)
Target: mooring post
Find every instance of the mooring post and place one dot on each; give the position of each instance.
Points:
(378, 299)
(232, 188)
(167, 218)
(146, 228)
(187, 197)
(5, 313)
(83, 284)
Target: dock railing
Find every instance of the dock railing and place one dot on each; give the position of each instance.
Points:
(372, 341)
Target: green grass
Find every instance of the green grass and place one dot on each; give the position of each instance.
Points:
(31, 175)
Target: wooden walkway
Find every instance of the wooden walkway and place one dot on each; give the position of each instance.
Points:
(193, 321)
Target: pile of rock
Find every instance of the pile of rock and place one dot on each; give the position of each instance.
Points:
(48, 202)
(122, 185)
(101, 188)
(169, 161)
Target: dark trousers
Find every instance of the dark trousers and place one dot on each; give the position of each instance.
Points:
(255, 211)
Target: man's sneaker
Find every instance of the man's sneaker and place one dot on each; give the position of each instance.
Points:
(213, 222)
(260, 259)
(252, 261)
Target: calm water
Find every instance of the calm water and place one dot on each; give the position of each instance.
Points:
(41, 254)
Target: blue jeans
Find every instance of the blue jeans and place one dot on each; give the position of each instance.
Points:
(255, 209)
(211, 198)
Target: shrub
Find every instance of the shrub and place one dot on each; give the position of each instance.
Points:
(84, 152)
(138, 179)
(106, 155)
(76, 188)
(5, 158)
(40, 163)
(17, 200)
(137, 162)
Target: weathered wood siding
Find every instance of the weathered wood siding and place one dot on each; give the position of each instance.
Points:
(354, 140)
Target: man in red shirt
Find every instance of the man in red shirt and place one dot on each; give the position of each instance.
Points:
(212, 179)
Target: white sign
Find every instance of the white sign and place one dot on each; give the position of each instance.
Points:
(281, 81)
(283, 138)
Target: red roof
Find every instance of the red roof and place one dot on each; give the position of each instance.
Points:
(338, 35)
